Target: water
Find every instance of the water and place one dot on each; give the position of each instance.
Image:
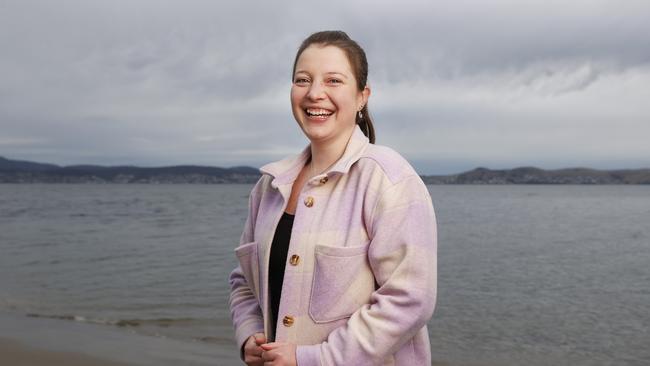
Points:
(531, 275)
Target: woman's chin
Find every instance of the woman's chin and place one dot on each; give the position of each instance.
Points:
(316, 135)
(316, 131)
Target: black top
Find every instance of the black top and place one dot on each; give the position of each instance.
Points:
(277, 262)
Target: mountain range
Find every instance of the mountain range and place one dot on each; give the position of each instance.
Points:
(21, 171)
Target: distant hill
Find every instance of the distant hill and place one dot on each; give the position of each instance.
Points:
(6, 164)
(532, 175)
(19, 171)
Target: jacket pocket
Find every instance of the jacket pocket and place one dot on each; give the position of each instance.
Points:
(342, 282)
(249, 263)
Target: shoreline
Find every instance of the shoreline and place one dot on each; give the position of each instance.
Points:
(18, 353)
(29, 341)
(41, 341)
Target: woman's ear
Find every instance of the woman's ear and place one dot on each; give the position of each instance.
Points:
(365, 94)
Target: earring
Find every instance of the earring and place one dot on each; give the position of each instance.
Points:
(360, 115)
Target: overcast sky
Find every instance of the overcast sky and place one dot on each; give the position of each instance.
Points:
(455, 85)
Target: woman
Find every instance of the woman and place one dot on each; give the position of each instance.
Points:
(337, 261)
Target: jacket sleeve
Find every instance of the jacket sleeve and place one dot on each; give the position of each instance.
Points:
(403, 257)
(245, 310)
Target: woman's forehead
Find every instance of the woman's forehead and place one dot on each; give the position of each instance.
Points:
(324, 59)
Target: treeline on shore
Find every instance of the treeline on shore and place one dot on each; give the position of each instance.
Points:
(20, 171)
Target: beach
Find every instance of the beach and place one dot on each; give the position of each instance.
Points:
(16, 353)
(26, 341)
(38, 341)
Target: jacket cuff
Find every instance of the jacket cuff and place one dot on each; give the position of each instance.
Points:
(308, 355)
(244, 331)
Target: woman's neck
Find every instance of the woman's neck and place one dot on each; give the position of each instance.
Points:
(325, 154)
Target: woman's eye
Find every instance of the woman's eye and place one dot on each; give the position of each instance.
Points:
(301, 81)
(335, 81)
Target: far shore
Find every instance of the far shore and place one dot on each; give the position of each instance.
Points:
(19, 171)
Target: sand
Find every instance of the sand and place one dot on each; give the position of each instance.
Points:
(18, 354)
(42, 341)
(28, 341)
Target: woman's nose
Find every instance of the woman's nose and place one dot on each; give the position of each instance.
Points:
(316, 91)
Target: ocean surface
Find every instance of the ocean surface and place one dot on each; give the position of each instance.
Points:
(528, 275)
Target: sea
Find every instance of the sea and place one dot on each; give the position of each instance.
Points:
(527, 274)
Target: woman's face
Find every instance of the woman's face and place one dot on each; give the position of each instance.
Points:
(324, 95)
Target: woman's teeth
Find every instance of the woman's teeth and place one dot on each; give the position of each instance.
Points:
(318, 112)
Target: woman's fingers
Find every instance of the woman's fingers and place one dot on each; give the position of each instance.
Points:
(268, 356)
(255, 351)
(272, 345)
(252, 350)
(260, 338)
(253, 361)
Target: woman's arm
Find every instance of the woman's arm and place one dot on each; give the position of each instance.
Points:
(403, 258)
(245, 310)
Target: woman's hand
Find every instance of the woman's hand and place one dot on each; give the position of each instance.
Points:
(253, 351)
(279, 354)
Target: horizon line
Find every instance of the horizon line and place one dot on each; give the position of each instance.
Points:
(254, 167)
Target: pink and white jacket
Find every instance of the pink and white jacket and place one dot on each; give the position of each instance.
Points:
(360, 280)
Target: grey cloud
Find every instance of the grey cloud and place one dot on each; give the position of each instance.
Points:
(208, 82)
(452, 41)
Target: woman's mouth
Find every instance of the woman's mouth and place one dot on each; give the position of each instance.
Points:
(318, 114)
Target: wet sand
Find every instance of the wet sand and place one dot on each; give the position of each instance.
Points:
(26, 341)
(37, 341)
(19, 354)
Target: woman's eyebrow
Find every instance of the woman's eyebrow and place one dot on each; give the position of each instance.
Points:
(327, 73)
(337, 73)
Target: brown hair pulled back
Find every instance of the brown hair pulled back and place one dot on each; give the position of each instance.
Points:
(356, 57)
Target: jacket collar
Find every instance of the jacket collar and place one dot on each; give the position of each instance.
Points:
(286, 171)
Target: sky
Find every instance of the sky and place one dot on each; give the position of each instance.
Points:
(454, 84)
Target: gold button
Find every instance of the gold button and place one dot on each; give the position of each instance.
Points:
(323, 180)
(309, 201)
(287, 321)
(294, 260)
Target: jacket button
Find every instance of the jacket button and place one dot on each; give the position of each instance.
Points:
(287, 321)
(294, 260)
(323, 180)
(309, 201)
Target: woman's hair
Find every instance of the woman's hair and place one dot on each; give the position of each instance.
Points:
(356, 57)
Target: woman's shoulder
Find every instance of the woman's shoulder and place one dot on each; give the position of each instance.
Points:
(262, 185)
(388, 161)
(394, 179)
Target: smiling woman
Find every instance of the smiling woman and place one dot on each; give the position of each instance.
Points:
(330, 79)
(338, 257)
